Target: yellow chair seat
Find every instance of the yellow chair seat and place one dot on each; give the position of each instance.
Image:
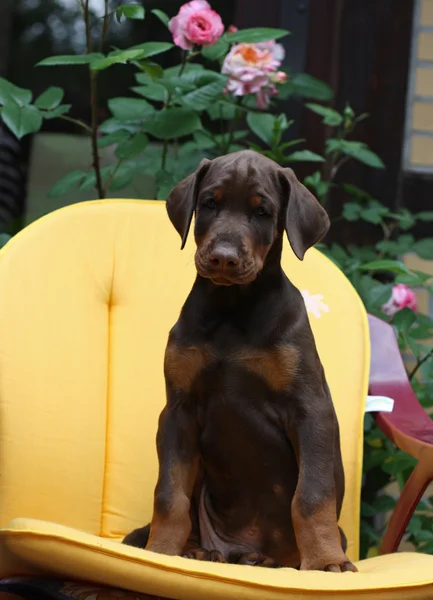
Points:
(42, 548)
(87, 297)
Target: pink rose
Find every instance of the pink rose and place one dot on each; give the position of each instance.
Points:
(402, 297)
(196, 23)
(252, 69)
(232, 29)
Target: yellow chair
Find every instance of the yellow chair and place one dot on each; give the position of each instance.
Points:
(87, 297)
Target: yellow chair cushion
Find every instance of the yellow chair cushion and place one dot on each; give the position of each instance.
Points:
(59, 551)
(88, 295)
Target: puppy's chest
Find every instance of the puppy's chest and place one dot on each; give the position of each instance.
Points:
(228, 357)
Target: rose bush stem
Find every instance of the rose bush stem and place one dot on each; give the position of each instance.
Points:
(419, 364)
(94, 99)
(167, 104)
(76, 122)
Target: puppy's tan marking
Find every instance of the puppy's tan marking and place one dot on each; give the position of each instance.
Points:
(182, 364)
(255, 201)
(277, 489)
(277, 366)
(218, 194)
(318, 538)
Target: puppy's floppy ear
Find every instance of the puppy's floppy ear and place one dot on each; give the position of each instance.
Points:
(182, 200)
(306, 220)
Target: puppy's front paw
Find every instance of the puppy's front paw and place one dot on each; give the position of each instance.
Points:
(341, 567)
(202, 554)
(338, 564)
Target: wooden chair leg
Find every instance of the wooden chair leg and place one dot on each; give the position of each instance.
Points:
(412, 493)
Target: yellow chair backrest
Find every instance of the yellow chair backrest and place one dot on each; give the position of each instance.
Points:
(87, 297)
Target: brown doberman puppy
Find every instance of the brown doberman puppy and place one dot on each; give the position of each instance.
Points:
(250, 467)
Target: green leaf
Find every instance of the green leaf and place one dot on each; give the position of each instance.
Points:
(363, 253)
(415, 278)
(165, 182)
(131, 148)
(415, 525)
(203, 139)
(316, 183)
(203, 97)
(121, 181)
(368, 530)
(426, 215)
(373, 214)
(291, 143)
(113, 138)
(56, 112)
(21, 120)
(304, 155)
(114, 58)
(176, 85)
(187, 70)
(424, 248)
(361, 117)
(152, 69)
(367, 510)
(66, 183)
(404, 319)
(222, 110)
(130, 11)
(89, 180)
(385, 503)
(412, 345)
(378, 295)
(427, 548)
(357, 150)
(9, 91)
(399, 462)
(306, 86)
(217, 50)
(356, 192)
(153, 91)
(172, 123)
(395, 266)
(401, 245)
(254, 35)
(221, 138)
(351, 211)
(262, 124)
(202, 77)
(50, 99)
(405, 218)
(424, 536)
(129, 109)
(152, 48)
(330, 116)
(339, 253)
(70, 59)
(111, 125)
(161, 15)
(121, 178)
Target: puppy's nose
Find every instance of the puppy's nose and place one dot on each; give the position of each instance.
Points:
(224, 256)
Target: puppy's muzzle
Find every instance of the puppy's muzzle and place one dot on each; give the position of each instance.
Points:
(224, 264)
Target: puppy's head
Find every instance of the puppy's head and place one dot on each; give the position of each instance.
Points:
(242, 203)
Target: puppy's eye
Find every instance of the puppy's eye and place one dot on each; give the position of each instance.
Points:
(262, 212)
(210, 203)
